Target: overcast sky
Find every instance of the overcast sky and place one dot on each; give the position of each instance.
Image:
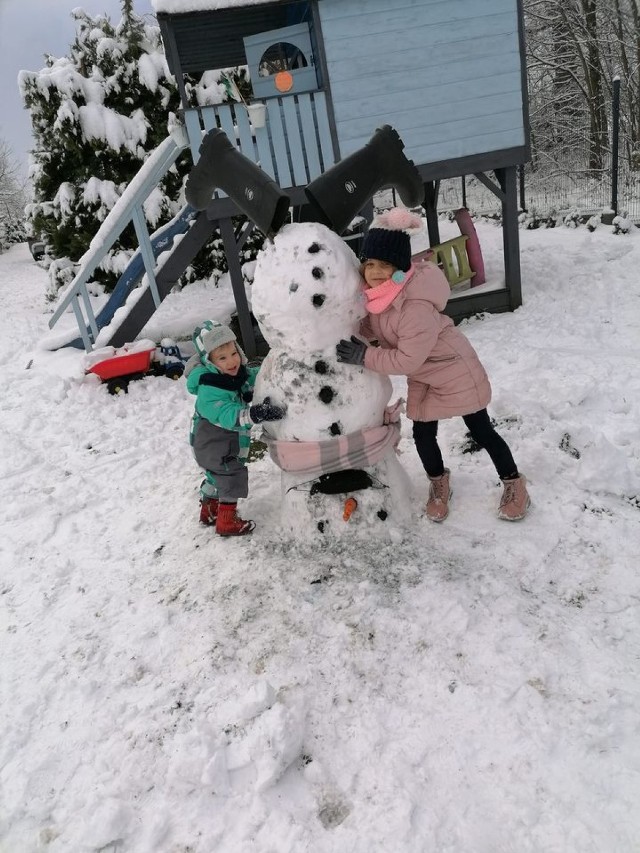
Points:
(28, 30)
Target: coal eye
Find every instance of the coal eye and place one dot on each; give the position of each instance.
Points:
(318, 299)
(326, 394)
(314, 248)
(317, 272)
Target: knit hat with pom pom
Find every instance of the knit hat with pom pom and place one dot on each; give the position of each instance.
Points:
(388, 238)
(211, 335)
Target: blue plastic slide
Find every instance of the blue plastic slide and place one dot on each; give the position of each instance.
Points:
(161, 241)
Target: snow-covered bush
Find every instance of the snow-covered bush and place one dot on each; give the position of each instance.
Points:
(622, 224)
(529, 219)
(572, 218)
(594, 221)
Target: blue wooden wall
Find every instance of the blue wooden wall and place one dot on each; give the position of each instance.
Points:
(447, 74)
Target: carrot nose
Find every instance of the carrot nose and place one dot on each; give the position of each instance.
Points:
(350, 506)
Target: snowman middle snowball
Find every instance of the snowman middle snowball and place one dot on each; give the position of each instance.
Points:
(306, 296)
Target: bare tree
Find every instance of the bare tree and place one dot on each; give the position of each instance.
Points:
(627, 30)
(12, 199)
(575, 49)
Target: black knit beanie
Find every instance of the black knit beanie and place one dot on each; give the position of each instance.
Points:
(383, 244)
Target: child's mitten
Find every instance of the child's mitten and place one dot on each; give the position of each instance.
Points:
(265, 411)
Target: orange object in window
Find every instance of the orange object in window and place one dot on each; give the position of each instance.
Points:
(350, 506)
(283, 81)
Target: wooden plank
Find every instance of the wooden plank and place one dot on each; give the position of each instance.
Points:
(357, 15)
(462, 306)
(460, 134)
(324, 131)
(244, 131)
(437, 102)
(418, 30)
(265, 158)
(237, 285)
(433, 122)
(226, 123)
(309, 135)
(450, 79)
(487, 161)
(82, 324)
(209, 118)
(146, 250)
(351, 62)
(511, 235)
(279, 144)
(194, 132)
(294, 139)
(461, 148)
(225, 118)
(457, 146)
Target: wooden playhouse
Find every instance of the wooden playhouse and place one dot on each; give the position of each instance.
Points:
(448, 75)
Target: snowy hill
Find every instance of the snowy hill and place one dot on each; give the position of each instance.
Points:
(472, 689)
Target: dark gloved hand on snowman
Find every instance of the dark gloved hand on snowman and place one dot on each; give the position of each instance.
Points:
(351, 352)
(266, 411)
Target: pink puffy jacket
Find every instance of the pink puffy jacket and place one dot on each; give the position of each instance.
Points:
(445, 376)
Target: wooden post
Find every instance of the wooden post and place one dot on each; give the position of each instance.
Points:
(510, 234)
(237, 283)
(430, 204)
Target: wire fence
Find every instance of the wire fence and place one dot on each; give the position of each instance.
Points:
(555, 190)
(559, 180)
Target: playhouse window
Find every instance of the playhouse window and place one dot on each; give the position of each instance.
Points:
(281, 61)
(282, 56)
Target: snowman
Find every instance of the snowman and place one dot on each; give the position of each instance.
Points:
(337, 444)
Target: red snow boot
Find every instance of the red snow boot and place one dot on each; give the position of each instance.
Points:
(229, 522)
(208, 511)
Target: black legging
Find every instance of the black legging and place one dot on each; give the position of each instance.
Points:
(479, 425)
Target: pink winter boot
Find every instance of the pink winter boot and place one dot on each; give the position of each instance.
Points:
(515, 500)
(439, 496)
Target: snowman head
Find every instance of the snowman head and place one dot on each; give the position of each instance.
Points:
(306, 292)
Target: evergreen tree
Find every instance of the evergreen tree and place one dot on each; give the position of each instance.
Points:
(96, 114)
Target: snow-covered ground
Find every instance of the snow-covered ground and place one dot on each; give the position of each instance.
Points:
(474, 688)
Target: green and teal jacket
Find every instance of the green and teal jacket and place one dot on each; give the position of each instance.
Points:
(222, 400)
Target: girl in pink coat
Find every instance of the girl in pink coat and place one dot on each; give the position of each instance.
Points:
(444, 375)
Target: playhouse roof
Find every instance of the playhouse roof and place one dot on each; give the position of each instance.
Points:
(175, 7)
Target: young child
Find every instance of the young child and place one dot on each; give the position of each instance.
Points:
(220, 431)
(445, 376)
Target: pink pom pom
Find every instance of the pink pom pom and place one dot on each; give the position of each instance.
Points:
(398, 219)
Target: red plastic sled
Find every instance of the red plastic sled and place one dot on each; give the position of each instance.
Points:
(123, 365)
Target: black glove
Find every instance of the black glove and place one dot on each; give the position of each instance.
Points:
(265, 412)
(351, 352)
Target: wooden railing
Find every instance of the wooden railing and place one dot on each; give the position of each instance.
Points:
(293, 147)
